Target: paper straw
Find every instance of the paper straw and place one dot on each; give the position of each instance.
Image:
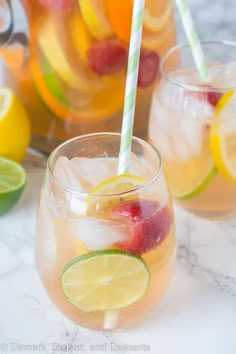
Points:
(111, 317)
(131, 86)
(193, 39)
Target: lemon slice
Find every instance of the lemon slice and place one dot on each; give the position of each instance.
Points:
(152, 19)
(106, 194)
(96, 281)
(14, 126)
(223, 135)
(116, 184)
(94, 15)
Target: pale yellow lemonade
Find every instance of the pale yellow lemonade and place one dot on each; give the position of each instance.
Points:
(193, 125)
(128, 215)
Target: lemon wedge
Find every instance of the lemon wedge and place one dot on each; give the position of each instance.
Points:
(223, 135)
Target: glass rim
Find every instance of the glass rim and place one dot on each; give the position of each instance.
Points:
(81, 195)
(164, 73)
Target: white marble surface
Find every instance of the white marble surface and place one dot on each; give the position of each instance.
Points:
(198, 314)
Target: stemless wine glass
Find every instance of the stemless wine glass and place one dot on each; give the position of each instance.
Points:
(105, 243)
(193, 125)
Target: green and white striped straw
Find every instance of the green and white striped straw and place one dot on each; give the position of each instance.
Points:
(193, 39)
(111, 317)
(131, 86)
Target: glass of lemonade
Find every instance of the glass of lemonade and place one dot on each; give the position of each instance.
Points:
(193, 125)
(105, 243)
(69, 68)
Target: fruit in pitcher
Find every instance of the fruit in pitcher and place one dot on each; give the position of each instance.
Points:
(94, 15)
(148, 68)
(57, 5)
(120, 15)
(55, 54)
(81, 38)
(107, 57)
(149, 224)
(98, 105)
(50, 45)
(52, 81)
(157, 14)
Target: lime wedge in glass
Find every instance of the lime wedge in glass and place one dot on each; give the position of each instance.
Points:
(105, 280)
(12, 183)
(187, 180)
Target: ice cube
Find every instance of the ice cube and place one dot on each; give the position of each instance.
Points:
(196, 107)
(92, 171)
(180, 146)
(163, 144)
(98, 234)
(78, 205)
(215, 72)
(191, 130)
(171, 96)
(187, 140)
(223, 75)
(228, 78)
(160, 117)
(67, 174)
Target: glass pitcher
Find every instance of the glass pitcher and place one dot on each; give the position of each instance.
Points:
(66, 60)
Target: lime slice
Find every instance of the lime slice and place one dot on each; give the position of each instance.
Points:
(96, 281)
(52, 81)
(12, 183)
(223, 135)
(187, 180)
(193, 187)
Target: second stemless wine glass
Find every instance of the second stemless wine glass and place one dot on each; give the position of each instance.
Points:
(193, 125)
(105, 244)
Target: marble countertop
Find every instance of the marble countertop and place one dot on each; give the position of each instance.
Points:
(196, 316)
